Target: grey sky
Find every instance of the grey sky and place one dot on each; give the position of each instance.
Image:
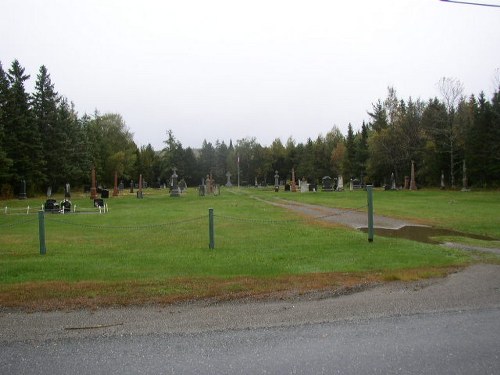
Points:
(234, 69)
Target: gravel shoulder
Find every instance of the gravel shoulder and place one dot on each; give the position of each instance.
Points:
(476, 287)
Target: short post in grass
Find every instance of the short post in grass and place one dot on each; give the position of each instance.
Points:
(211, 234)
(41, 232)
(369, 191)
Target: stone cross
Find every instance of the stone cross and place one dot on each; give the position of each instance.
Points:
(175, 188)
(228, 183)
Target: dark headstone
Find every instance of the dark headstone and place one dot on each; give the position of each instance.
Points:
(22, 193)
(104, 193)
(327, 183)
(99, 202)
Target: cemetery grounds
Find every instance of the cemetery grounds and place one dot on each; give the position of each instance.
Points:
(155, 250)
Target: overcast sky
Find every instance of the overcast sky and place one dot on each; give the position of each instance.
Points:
(270, 69)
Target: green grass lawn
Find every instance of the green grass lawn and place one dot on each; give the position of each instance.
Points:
(156, 249)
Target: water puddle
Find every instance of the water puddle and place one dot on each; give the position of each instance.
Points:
(424, 234)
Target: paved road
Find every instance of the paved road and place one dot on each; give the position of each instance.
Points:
(443, 326)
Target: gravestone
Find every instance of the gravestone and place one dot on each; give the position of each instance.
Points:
(98, 202)
(413, 184)
(22, 193)
(276, 181)
(175, 188)
(327, 183)
(407, 183)
(393, 182)
(49, 191)
(66, 205)
(293, 187)
(115, 188)
(139, 192)
(131, 186)
(304, 186)
(121, 187)
(182, 186)
(67, 192)
(51, 205)
(228, 183)
(93, 190)
(351, 185)
(104, 193)
(442, 181)
(465, 187)
(340, 184)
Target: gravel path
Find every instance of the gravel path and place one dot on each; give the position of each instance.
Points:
(473, 288)
(351, 218)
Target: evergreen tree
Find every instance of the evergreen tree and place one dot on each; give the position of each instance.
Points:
(55, 143)
(349, 162)
(5, 162)
(22, 136)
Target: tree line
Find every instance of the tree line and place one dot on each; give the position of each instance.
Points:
(44, 142)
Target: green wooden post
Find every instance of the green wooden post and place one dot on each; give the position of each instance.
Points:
(370, 212)
(41, 232)
(211, 234)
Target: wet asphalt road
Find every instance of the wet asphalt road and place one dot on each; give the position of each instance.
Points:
(445, 326)
(459, 342)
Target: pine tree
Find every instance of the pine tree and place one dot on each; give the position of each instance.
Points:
(5, 162)
(55, 143)
(22, 136)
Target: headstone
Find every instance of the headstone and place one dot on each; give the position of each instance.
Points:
(98, 202)
(442, 181)
(182, 186)
(175, 188)
(293, 187)
(131, 186)
(51, 205)
(393, 182)
(139, 192)
(66, 205)
(67, 193)
(413, 184)
(327, 183)
(465, 187)
(49, 191)
(407, 182)
(115, 188)
(313, 187)
(93, 190)
(304, 186)
(276, 181)
(340, 184)
(22, 193)
(287, 187)
(351, 185)
(121, 186)
(228, 183)
(105, 193)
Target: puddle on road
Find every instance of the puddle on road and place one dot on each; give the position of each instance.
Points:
(424, 234)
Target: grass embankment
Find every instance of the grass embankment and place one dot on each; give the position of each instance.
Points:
(156, 249)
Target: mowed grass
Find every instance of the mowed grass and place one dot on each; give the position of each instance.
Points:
(156, 249)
